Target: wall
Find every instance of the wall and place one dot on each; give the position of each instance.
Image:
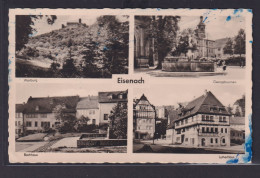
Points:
(89, 113)
(105, 108)
(18, 124)
(145, 126)
(50, 118)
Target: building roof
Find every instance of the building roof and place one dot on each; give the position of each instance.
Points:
(90, 102)
(205, 104)
(112, 96)
(19, 108)
(47, 104)
(144, 98)
(237, 121)
(219, 43)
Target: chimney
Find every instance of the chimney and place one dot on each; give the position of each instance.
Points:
(79, 20)
(205, 92)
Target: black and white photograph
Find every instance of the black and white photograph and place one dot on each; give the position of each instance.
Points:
(71, 46)
(190, 46)
(78, 119)
(202, 120)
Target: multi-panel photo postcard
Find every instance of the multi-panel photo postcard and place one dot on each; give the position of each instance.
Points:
(130, 86)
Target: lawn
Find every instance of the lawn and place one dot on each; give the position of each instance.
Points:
(32, 138)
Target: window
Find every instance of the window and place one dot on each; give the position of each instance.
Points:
(207, 130)
(45, 124)
(15, 123)
(220, 118)
(212, 130)
(203, 117)
(223, 140)
(211, 140)
(221, 130)
(177, 123)
(211, 118)
(216, 140)
(19, 123)
(28, 124)
(186, 121)
(207, 118)
(35, 124)
(105, 117)
(203, 129)
(225, 130)
(224, 119)
(43, 115)
(186, 139)
(216, 130)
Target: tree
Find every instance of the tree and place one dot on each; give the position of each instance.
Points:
(115, 50)
(82, 124)
(69, 69)
(161, 128)
(184, 42)
(163, 29)
(118, 121)
(23, 25)
(240, 44)
(228, 48)
(65, 121)
(91, 56)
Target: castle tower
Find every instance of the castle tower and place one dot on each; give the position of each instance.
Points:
(201, 28)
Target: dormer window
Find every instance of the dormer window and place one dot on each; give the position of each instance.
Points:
(110, 96)
(120, 96)
(37, 108)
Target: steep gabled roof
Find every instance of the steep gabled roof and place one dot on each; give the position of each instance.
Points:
(47, 104)
(19, 108)
(90, 102)
(143, 98)
(112, 96)
(205, 104)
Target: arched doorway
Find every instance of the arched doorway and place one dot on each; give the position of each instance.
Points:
(203, 142)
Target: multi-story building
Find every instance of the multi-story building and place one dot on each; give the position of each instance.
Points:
(19, 120)
(203, 122)
(144, 118)
(89, 107)
(108, 100)
(39, 113)
(237, 130)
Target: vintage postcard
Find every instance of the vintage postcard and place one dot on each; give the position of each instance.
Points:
(130, 86)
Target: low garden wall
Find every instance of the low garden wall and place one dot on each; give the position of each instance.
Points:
(183, 66)
(83, 143)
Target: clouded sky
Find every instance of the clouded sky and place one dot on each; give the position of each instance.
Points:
(216, 26)
(174, 94)
(42, 26)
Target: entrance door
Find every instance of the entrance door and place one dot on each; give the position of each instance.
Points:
(203, 142)
(182, 138)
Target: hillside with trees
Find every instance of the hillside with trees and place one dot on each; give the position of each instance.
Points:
(95, 51)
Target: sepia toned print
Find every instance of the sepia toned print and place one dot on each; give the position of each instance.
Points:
(201, 125)
(130, 86)
(85, 124)
(190, 46)
(71, 46)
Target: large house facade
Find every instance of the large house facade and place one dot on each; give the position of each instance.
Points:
(19, 117)
(202, 122)
(144, 118)
(39, 114)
